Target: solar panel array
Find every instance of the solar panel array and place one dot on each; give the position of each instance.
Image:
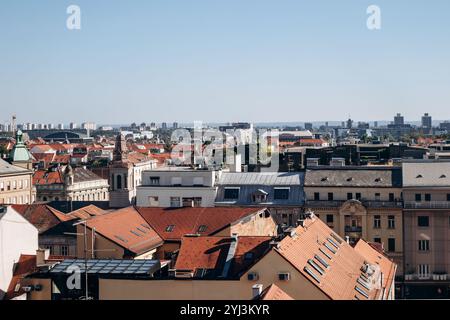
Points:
(131, 267)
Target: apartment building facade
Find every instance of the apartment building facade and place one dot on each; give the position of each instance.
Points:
(16, 184)
(359, 203)
(172, 187)
(280, 192)
(426, 193)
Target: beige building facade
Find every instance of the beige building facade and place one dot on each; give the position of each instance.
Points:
(426, 192)
(16, 184)
(360, 203)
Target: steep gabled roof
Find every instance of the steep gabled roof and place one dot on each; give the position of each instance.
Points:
(25, 266)
(42, 216)
(314, 244)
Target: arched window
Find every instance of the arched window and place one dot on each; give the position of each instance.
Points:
(125, 181)
(119, 181)
(112, 182)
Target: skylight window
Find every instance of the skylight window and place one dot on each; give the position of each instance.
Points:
(330, 248)
(326, 254)
(202, 228)
(333, 243)
(170, 228)
(316, 267)
(363, 283)
(135, 233)
(120, 238)
(322, 261)
(312, 274)
(360, 291)
(336, 237)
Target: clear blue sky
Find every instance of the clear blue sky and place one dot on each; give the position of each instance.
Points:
(223, 60)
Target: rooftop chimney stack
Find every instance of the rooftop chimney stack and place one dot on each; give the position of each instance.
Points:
(257, 290)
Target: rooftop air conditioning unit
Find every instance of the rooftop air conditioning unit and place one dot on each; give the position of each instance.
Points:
(252, 276)
(284, 276)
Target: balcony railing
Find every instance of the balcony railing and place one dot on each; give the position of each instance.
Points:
(352, 229)
(366, 203)
(427, 205)
(428, 277)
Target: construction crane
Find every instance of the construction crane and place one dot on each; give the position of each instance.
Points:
(13, 125)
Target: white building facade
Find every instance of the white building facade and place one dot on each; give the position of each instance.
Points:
(17, 236)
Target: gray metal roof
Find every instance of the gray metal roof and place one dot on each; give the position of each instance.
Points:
(353, 178)
(261, 178)
(6, 168)
(426, 174)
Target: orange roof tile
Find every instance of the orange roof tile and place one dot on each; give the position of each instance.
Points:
(126, 228)
(42, 216)
(211, 252)
(340, 279)
(188, 220)
(273, 292)
(25, 266)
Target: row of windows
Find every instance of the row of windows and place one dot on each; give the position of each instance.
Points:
(14, 185)
(376, 221)
(58, 250)
(177, 181)
(391, 243)
(427, 197)
(16, 200)
(99, 196)
(351, 196)
(278, 194)
(176, 202)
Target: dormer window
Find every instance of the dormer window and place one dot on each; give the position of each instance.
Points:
(259, 196)
(324, 179)
(443, 176)
(349, 179)
(419, 176)
(378, 180)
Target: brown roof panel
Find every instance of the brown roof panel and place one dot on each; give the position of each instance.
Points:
(126, 228)
(174, 223)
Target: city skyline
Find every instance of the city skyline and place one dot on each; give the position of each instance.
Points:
(257, 61)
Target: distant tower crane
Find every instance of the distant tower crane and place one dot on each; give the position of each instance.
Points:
(13, 125)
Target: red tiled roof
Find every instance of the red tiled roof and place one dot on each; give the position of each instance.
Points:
(42, 177)
(211, 253)
(42, 216)
(87, 212)
(340, 279)
(25, 266)
(273, 292)
(187, 220)
(126, 228)
(373, 256)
